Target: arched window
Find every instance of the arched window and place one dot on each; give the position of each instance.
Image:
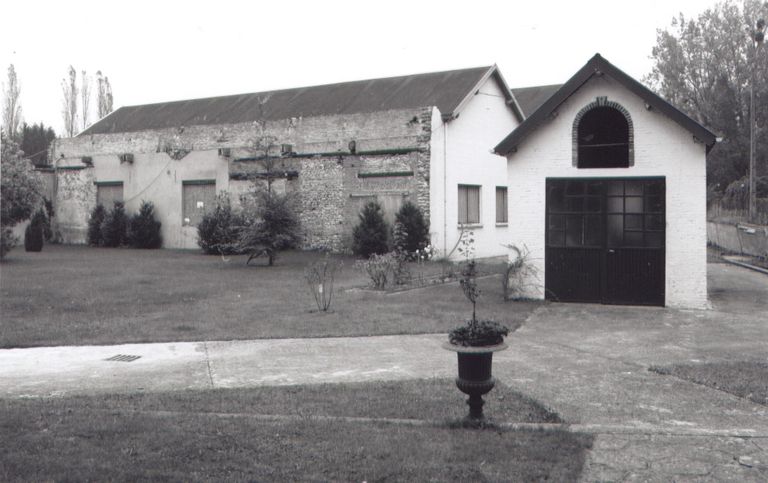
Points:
(603, 137)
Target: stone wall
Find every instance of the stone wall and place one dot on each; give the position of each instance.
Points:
(390, 163)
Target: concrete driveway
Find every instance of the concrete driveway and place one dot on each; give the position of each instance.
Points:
(587, 362)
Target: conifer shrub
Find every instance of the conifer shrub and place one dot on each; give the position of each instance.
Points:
(94, 226)
(219, 230)
(144, 229)
(370, 235)
(114, 229)
(411, 231)
(271, 224)
(34, 234)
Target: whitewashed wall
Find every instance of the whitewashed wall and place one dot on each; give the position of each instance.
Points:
(461, 153)
(662, 148)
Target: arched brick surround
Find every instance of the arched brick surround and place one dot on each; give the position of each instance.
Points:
(601, 101)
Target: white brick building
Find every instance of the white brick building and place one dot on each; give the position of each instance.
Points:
(607, 189)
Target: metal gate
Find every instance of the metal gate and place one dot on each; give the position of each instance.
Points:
(605, 240)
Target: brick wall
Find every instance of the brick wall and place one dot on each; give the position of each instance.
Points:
(661, 148)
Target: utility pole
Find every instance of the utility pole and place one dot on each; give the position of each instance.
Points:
(758, 36)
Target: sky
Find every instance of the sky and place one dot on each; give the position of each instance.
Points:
(156, 51)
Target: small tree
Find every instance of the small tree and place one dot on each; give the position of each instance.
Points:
(144, 229)
(33, 235)
(20, 189)
(115, 226)
(94, 226)
(219, 231)
(271, 225)
(411, 232)
(369, 237)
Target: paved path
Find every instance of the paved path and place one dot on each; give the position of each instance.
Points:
(587, 362)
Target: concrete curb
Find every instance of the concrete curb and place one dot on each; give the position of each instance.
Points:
(745, 265)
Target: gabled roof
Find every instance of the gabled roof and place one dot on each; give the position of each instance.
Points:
(449, 91)
(531, 98)
(597, 65)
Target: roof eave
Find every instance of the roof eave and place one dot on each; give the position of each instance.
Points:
(493, 71)
(597, 65)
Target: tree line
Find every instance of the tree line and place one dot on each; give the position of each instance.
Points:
(34, 139)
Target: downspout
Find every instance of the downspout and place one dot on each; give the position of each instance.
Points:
(445, 188)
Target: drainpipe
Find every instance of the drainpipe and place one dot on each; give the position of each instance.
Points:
(445, 188)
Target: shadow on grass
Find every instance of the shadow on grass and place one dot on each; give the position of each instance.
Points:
(223, 435)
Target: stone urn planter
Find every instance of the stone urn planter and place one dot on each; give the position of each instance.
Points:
(475, 378)
(474, 343)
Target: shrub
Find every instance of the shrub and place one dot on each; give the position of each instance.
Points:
(144, 229)
(7, 241)
(369, 237)
(378, 267)
(271, 225)
(219, 230)
(47, 228)
(520, 276)
(320, 277)
(411, 232)
(94, 226)
(115, 226)
(34, 234)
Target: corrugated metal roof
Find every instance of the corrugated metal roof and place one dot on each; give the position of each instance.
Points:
(531, 98)
(445, 90)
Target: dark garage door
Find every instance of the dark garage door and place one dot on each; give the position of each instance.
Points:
(605, 240)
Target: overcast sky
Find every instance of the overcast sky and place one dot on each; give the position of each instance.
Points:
(154, 51)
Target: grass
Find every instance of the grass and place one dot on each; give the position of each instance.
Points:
(218, 435)
(744, 379)
(76, 295)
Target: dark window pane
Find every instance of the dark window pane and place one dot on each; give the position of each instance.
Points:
(654, 188)
(615, 188)
(556, 197)
(634, 188)
(595, 188)
(633, 204)
(556, 238)
(573, 231)
(574, 204)
(575, 188)
(654, 204)
(633, 222)
(593, 230)
(654, 240)
(603, 139)
(615, 204)
(556, 222)
(654, 222)
(633, 239)
(593, 204)
(615, 228)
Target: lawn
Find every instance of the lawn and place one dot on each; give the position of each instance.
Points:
(746, 379)
(79, 295)
(302, 433)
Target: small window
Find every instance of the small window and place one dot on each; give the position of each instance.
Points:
(107, 192)
(501, 204)
(198, 198)
(469, 204)
(603, 137)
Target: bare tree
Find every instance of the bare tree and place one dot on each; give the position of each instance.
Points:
(85, 97)
(69, 111)
(104, 95)
(11, 104)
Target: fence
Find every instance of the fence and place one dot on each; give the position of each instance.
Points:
(721, 212)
